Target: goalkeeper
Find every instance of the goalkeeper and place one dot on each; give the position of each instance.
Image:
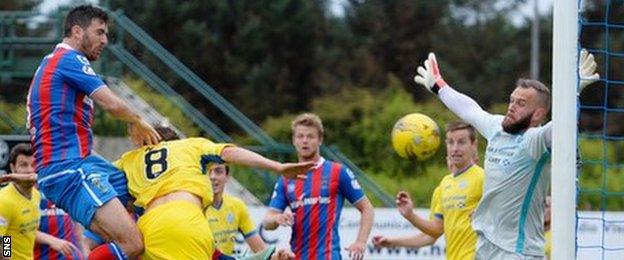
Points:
(509, 218)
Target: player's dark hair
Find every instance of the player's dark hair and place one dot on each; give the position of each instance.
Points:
(458, 125)
(166, 133)
(82, 16)
(20, 149)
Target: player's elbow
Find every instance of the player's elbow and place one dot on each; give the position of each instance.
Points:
(269, 224)
(436, 232)
(115, 107)
(366, 209)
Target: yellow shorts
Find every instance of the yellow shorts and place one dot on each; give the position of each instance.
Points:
(176, 230)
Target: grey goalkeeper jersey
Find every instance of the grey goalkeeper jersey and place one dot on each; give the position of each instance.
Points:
(517, 175)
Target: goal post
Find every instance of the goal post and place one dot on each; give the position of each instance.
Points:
(564, 137)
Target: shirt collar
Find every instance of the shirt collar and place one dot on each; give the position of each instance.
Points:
(319, 163)
(64, 46)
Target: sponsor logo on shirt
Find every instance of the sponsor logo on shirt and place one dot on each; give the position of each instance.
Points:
(54, 211)
(309, 201)
(350, 173)
(83, 59)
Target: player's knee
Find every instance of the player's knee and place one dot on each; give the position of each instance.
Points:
(135, 245)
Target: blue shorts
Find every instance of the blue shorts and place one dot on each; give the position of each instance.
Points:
(81, 186)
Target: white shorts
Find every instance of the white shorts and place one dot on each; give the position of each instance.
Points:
(486, 250)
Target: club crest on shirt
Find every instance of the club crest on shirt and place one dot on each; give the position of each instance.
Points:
(505, 162)
(3, 221)
(230, 218)
(291, 187)
(463, 185)
(88, 70)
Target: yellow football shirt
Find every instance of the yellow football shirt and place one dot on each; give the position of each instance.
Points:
(19, 218)
(455, 198)
(227, 220)
(548, 246)
(155, 170)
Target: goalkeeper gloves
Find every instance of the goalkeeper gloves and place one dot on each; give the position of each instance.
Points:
(430, 76)
(587, 70)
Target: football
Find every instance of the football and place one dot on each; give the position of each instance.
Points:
(416, 136)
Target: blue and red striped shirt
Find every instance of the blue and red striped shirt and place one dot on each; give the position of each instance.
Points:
(57, 223)
(316, 204)
(60, 112)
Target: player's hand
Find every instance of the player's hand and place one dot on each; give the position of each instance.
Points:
(284, 219)
(587, 70)
(430, 76)
(295, 170)
(142, 133)
(356, 250)
(64, 247)
(22, 178)
(381, 241)
(404, 204)
(283, 254)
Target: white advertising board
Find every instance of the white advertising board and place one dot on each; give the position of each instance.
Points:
(593, 228)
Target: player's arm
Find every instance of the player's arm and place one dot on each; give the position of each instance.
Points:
(356, 250)
(62, 246)
(463, 106)
(434, 227)
(274, 219)
(366, 220)
(350, 188)
(24, 178)
(140, 131)
(416, 240)
(255, 243)
(242, 156)
(247, 227)
(276, 216)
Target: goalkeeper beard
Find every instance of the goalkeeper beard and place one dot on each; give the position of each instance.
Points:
(518, 126)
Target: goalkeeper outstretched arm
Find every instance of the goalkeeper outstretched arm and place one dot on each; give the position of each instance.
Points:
(461, 105)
